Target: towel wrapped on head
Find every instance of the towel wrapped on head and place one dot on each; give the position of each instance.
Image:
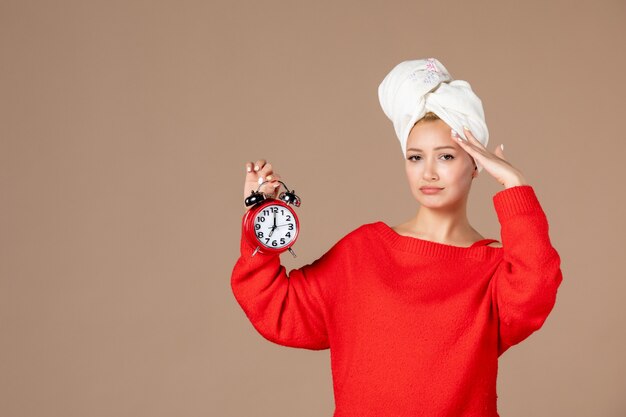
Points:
(413, 88)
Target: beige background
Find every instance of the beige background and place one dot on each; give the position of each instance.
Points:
(125, 128)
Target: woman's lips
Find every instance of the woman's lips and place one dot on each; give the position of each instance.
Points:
(428, 190)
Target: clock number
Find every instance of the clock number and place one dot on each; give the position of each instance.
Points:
(266, 218)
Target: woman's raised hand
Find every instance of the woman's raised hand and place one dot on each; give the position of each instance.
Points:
(258, 172)
(493, 162)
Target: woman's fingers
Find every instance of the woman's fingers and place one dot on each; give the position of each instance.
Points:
(273, 178)
(482, 149)
(471, 145)
(265, 173)
(500, 151)
(472, 138)
(259, 172)
(493, 162)
(265, 170)
(470, 142)
(257, 168)
(259, 164)
(462, 141)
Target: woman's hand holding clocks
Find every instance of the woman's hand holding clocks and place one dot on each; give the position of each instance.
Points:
(258, 172)
(494, 163)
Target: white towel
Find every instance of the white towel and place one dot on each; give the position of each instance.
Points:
(415, 87)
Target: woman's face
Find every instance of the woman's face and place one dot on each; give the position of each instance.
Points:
(450, 168)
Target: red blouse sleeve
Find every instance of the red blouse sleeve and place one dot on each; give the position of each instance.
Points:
(287, 308)
(527, 279)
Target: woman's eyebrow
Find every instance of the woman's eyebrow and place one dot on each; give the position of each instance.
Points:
(435, 149)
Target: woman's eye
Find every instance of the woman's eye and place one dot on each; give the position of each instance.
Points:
(411, 158)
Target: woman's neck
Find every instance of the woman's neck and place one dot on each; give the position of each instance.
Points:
(451, 227)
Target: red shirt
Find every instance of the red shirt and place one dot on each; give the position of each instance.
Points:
(414, 327)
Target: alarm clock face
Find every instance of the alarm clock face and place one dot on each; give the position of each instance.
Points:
(275, 226)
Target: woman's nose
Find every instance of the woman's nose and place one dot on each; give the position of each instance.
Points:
(430, 170)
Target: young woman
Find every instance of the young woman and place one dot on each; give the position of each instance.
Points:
(415, 315)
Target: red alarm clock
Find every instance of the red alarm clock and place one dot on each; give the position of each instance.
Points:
(271, 224)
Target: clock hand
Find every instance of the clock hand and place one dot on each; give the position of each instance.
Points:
(274, 226)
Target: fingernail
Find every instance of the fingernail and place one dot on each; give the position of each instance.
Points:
(260, 180)
(256, 167)
(502, 146)
(466, 128)
(269, 178)
(248, 168)
(454, 134)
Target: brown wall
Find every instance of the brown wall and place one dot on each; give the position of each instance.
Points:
(125, 128)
